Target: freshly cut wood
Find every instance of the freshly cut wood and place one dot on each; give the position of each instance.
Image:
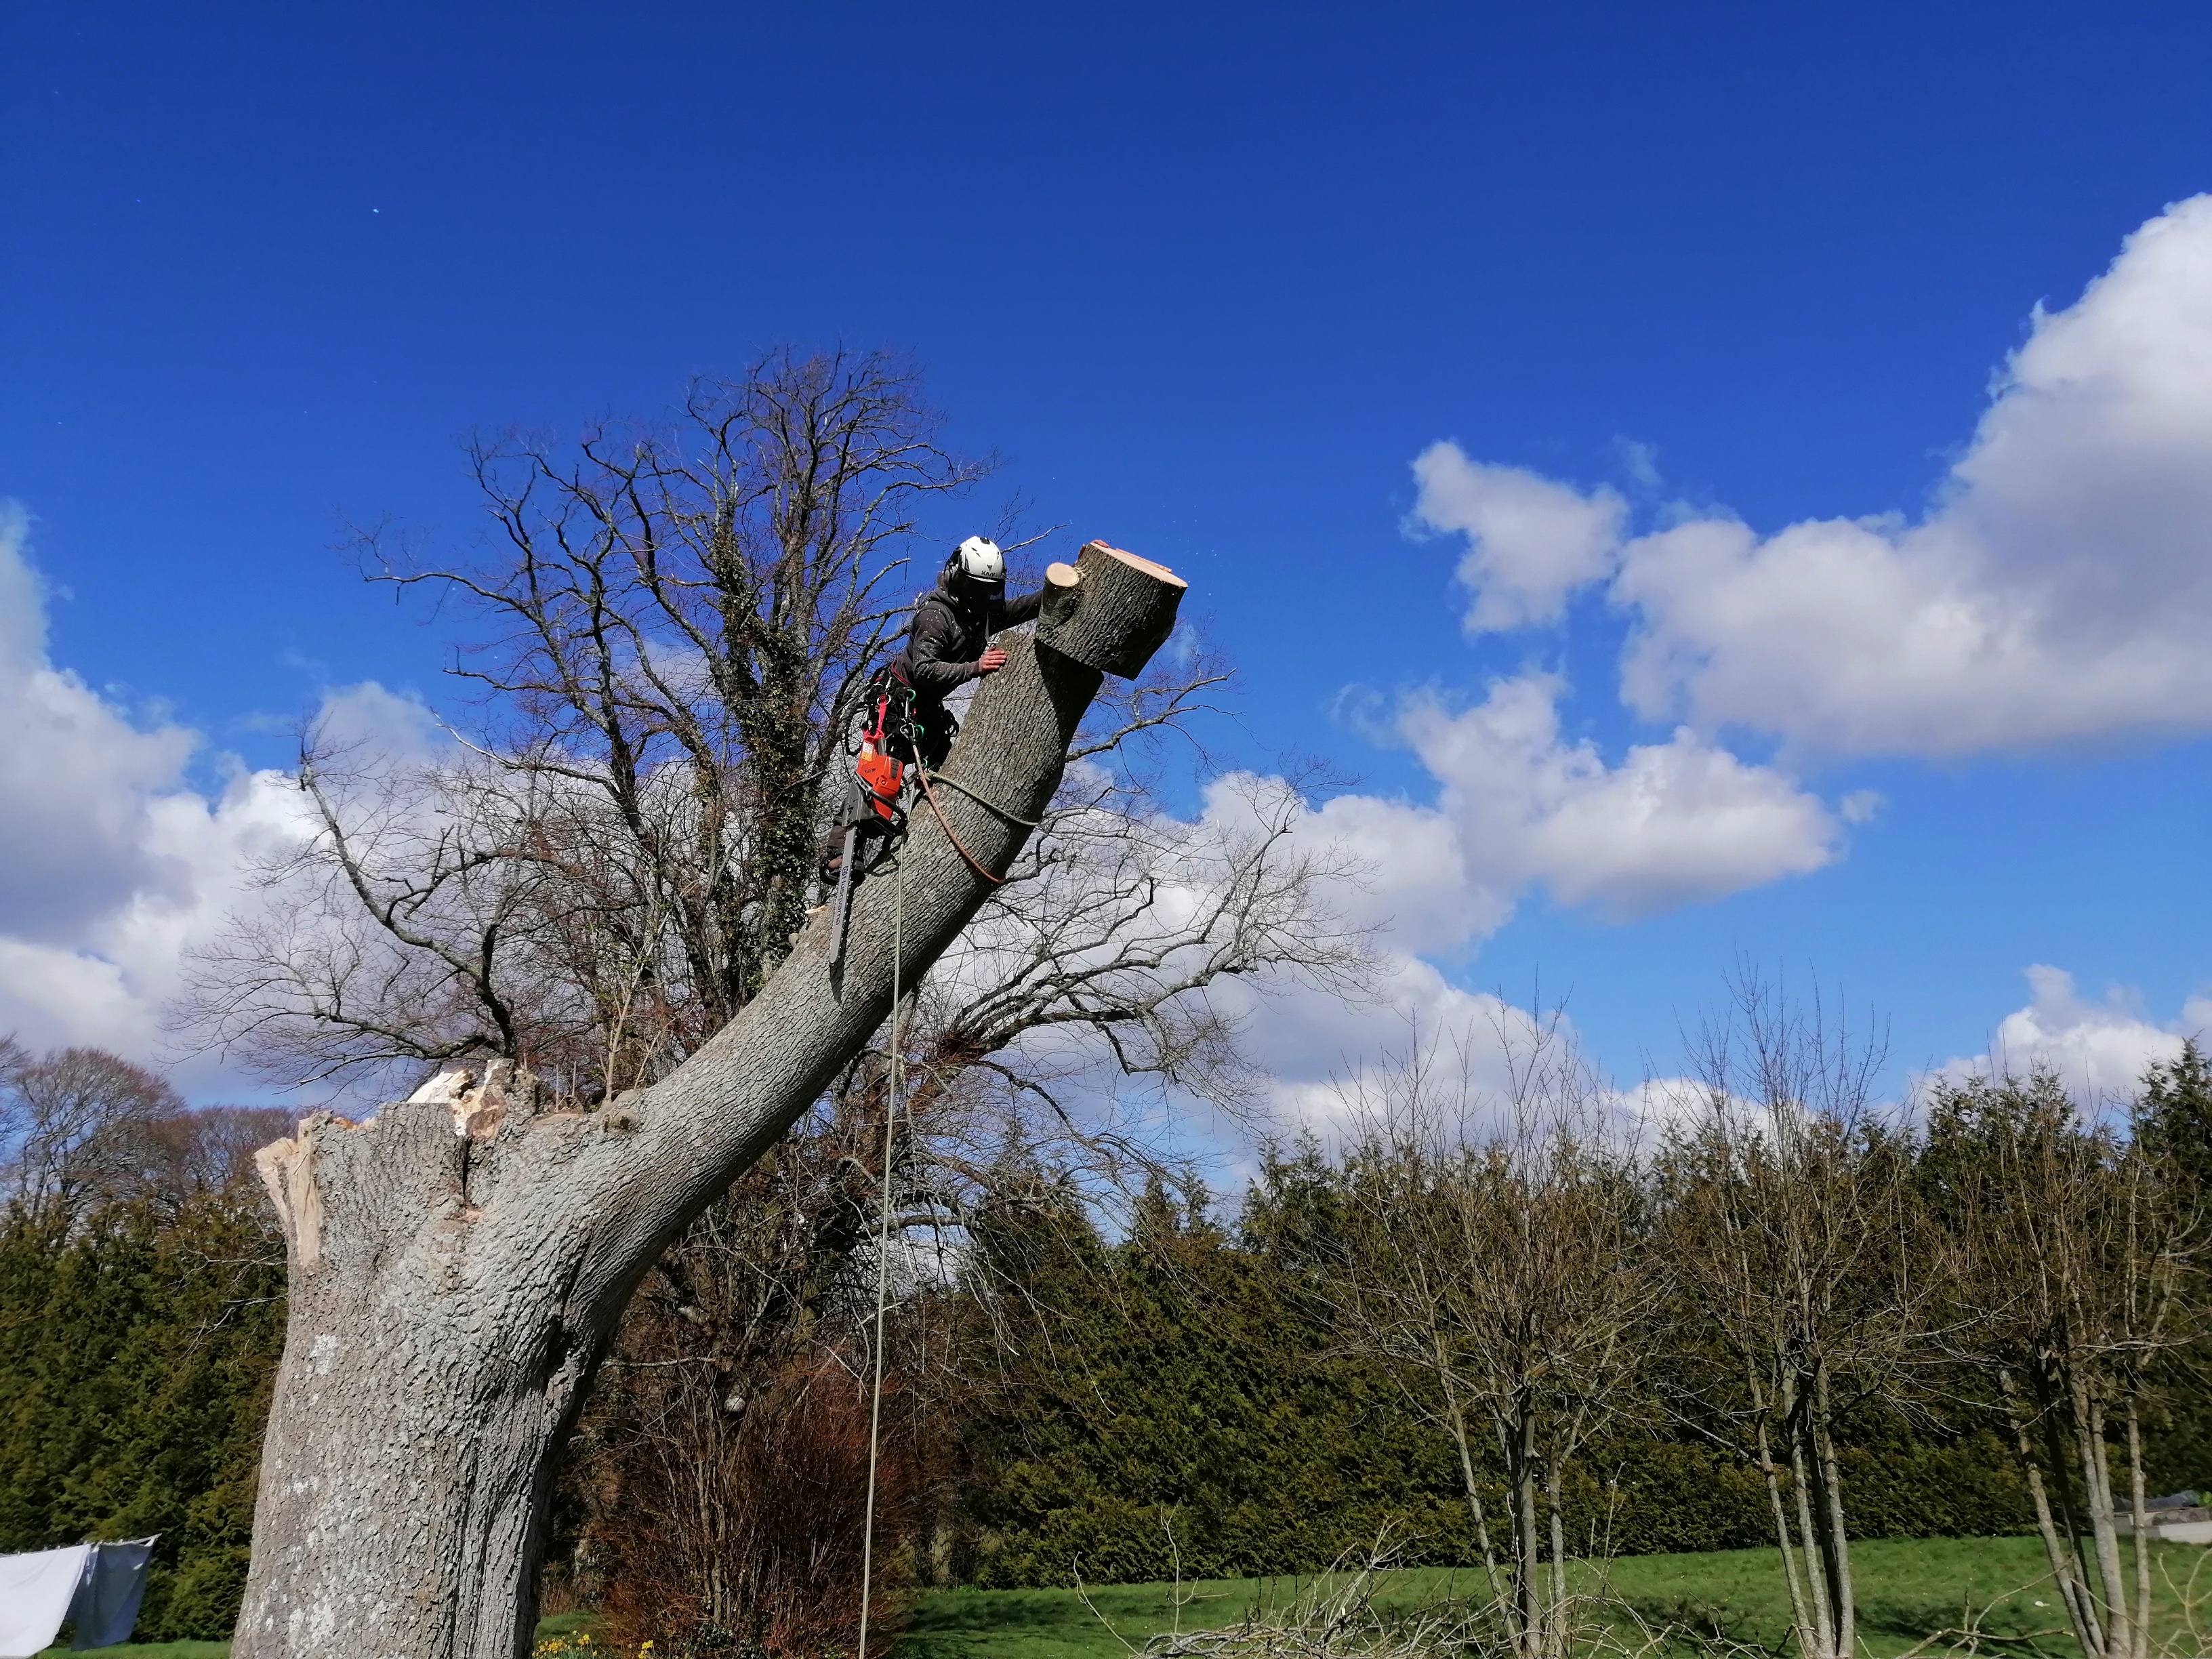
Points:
(1115, 618)
(1060, 582)
(458, 1261)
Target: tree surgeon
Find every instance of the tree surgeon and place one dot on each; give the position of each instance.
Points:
(905, 721)
(948, 643)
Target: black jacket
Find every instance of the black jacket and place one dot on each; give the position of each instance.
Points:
(946, 636)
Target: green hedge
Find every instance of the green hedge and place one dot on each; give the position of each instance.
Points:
(1172, 1386)
(137, 1356)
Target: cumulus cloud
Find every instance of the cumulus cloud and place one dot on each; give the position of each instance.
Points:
(1518, 808)
(76, 777)
(109, 866)
(1329, 1058)
(1530, 541)
(2099, 1049)
(1674, 823)
(2059, 588)
(1474, 1053)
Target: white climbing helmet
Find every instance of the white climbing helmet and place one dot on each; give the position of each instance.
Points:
(979, 561)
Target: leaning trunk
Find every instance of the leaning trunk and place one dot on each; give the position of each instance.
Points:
(458, 1261)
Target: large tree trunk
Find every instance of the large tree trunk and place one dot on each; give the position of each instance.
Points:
(458, 1261)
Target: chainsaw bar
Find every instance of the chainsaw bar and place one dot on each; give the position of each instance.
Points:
(842, 913)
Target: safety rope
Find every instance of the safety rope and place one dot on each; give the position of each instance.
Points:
(890, 1123)
(928, 777)
(883, 1255)
(946, 824)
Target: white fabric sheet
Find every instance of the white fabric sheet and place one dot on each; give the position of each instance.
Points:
(35, 1593)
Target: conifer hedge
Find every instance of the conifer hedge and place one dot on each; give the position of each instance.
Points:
(137, 1350)
(1170, 1403)
(1164, 1401)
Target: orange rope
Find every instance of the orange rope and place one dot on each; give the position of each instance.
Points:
(946, 824)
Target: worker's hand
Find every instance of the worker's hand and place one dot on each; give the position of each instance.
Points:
(991, 661)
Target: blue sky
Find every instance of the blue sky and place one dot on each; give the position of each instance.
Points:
(1212, 279)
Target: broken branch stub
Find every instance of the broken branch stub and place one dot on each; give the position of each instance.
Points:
(1088, 616)
(287, 1169)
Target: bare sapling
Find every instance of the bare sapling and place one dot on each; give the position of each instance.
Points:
(1791, 1236)
(1494, 1256)
(2074, 1255)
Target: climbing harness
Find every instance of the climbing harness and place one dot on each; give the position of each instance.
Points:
(888, 741)
(872, 808)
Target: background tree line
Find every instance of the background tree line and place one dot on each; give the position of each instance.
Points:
(1517, 1329)
(141, 1315)
(1497, 1337)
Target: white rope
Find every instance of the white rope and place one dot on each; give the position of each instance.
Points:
(883, 1258)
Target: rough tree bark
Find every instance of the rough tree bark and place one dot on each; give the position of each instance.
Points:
(457, 1262)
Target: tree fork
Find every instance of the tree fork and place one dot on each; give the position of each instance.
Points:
(457, 1263)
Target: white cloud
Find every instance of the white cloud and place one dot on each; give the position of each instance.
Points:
(1530, 541)
(1677, 823)
(1327, 1057)
(1474, 1053)
(1641, 461)
(1862, 806)
(75, 775)
(1419, 884)
(1518, 807)
(2099, 1049)
(2060, 589)
(109, 866)
(382, 723)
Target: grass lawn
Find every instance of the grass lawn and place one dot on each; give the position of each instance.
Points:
(1909, 1589)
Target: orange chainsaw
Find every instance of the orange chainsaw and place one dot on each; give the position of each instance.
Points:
(872, 808)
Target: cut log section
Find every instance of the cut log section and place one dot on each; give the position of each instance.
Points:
(1062, 592)
(1088, 611)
